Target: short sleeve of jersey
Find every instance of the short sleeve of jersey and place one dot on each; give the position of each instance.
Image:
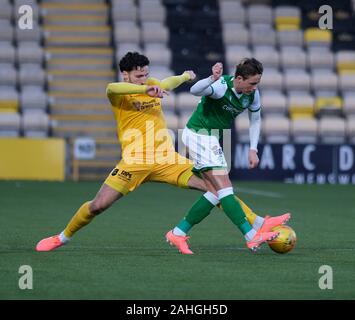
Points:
(256, 105)
(219, 88)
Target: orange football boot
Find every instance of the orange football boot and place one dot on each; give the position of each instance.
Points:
(260, 238)
(271, 222)
(49, 244)
(179, 242)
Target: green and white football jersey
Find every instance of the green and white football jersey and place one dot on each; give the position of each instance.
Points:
(219, 109)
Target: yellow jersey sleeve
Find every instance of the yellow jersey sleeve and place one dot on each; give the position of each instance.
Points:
(116, 90)
(169, 83)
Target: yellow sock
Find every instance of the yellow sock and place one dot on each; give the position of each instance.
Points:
(251, 216)
(81, 218)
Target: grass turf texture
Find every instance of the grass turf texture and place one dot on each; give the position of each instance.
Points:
(122, 254)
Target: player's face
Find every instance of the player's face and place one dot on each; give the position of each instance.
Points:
(246, 86)
(138, 76)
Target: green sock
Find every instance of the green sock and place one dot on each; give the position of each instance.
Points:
(235, 212)
(199, 210)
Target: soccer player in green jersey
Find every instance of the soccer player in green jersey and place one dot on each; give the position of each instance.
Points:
(224, 97)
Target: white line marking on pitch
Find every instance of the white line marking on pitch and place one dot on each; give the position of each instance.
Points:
(260, 193)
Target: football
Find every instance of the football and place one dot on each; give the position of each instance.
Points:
(285, 241)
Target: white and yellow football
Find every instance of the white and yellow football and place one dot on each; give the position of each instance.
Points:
(285, 241)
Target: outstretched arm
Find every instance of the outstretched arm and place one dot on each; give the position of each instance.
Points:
(173, 82)
(203, 87)
(121, 88)
(116, 90)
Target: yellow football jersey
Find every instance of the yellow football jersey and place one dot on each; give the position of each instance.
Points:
(141, 125)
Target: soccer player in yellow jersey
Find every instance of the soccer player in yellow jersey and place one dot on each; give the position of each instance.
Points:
(148, 152)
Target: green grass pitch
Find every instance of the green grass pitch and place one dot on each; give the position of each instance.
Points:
(122, 254)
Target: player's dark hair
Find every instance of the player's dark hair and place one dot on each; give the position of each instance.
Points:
(248, 67)
(133, 60)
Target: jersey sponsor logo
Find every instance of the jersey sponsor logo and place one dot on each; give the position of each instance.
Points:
(114, 172)
(230, 109)
(126, 175)
(136, 105)
(140, 106)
